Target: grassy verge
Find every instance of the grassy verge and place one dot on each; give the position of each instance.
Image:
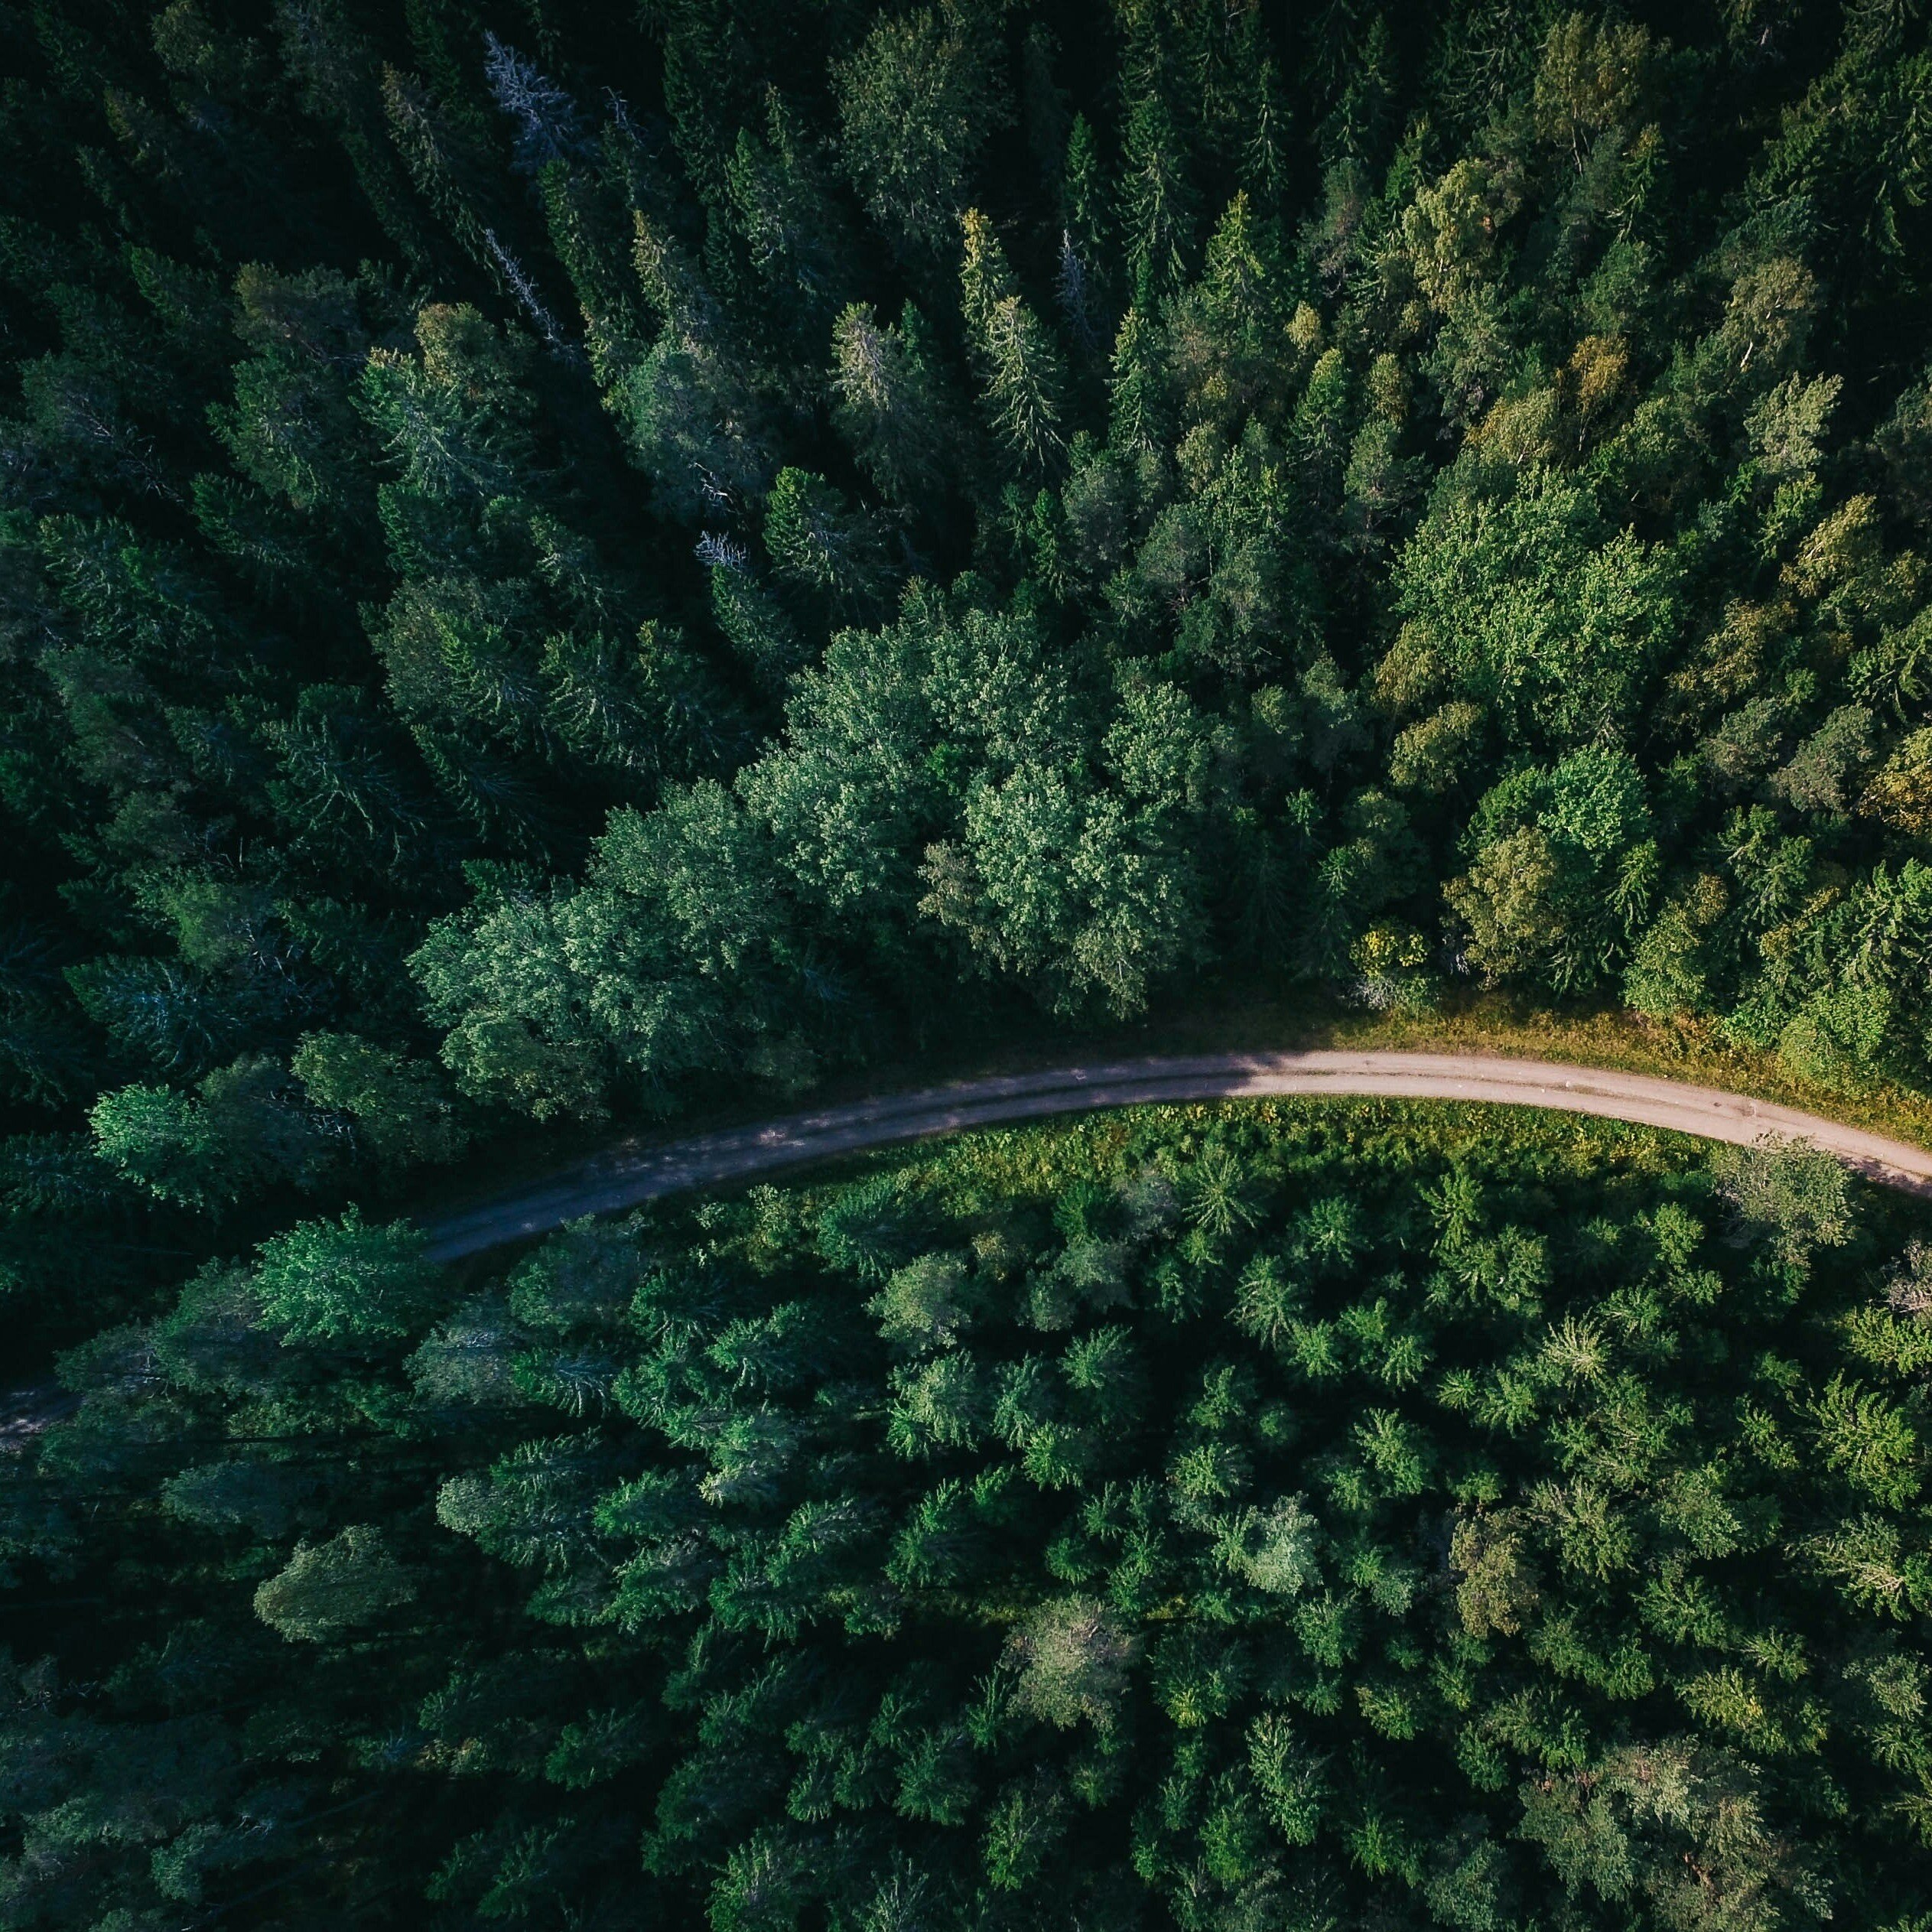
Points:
(1225, 1018)
(973, 1172)
(1687, 1049)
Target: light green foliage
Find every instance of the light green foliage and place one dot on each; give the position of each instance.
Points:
(1789, 1193)
(451, 418)
(1073, 1660)
(1495, 1583)
(691, 422)
(160, 1138)
(1373, 406)
(329, 1588)
(1092, 902)
(925, 1303)
(400, 1107)
(891, 409)
(346, 1280)
(1535, 607)
(1561, 871)
(631, 972)
(1630, 1826)
(814, 540)
(917, 100)
(244, 1130)
(1157, 200)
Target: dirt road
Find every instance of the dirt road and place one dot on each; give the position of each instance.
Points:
(633, 1172)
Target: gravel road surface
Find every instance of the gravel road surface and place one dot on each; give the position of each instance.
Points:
(623, 1176)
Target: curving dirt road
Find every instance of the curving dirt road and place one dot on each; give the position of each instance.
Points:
(633, 1171)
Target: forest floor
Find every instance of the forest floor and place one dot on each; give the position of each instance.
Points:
(637, 1169)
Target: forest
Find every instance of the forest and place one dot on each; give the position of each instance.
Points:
(562, 565)
(1262, 1519)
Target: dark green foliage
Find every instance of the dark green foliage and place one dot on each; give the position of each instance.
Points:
(613, 555)
(555, 561)
(1195, 1519)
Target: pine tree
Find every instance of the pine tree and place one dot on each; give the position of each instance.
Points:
(794, 230)
(1024, 383)
(1138, 421)
(1158, 203)
(917, 100)
(385, 763)
(1019, 364)
(890, 410)
(588, 234)
(817, 542)
(344, 1584)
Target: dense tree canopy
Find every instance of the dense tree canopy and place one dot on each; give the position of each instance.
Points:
(559, 561)
(1266, 1518)
(552, 561)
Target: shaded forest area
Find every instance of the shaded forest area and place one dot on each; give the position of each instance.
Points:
(1271, 1520)
(555, 556)
(556, 560)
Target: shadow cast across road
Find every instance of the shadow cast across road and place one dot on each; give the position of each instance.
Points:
(633, 1171)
